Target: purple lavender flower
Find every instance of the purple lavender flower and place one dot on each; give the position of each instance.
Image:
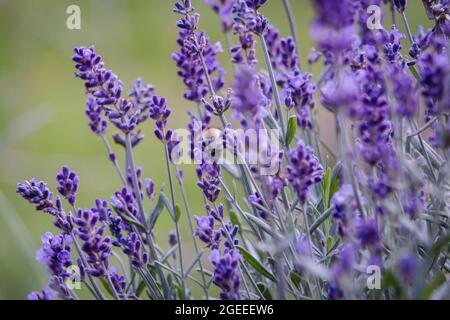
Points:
(160, 112)
(37, 193)
(408, 266)
(256, 199)
(136, 137)
(249, 105)
(99, 82)
(46, 294)
(125, 116)
(206, 232)
(102, 210)
(97, 123)
(413, 200)
(299, 93)
(132, 247)
(341, 269)
(55, 253)
(124, 203)
(438, 10)
(367, 232)
(304, 170)
(341, 93)
(367, 35)
(90, 230)
(303, 251)
(172, 238)
(209, 176)
(255, 4)
(247, 17)
(129, 179)
(246, 23)
(344, 208)
(67, 184)
(218, 104)
(333, 27)
(141, 95)
(216, 214)
(375, 127)
(434, 68)
(393, 46)
(334, 292)
(229, 232)
(195, 46)
(226, 273)
(400, 5)
(404, 91)
(149, 189)
(118, 281)
(272, 35)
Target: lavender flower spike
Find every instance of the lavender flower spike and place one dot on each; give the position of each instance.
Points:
(226, 273)
(304, 171)
(67, 184)
(99, 82)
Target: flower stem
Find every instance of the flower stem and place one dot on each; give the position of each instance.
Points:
(115, 162)
(274, 85)
(98, 294)
(132, 167)
(189, 214)
(408, 29)
(177, 229)
(290, 15)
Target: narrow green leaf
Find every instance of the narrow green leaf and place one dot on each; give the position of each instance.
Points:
(414, 72)
(106, 285)
(235, 220)
(324, 216)
(335, 174)
(389, 281)
(168, 205)
(329, 243)
(260, 223)
(291, 129)
(154, 215)
(256, 264)
(130, 221)
(264, 290)
(177, 212)
(439, 280)
(141, 288)
(295, 278)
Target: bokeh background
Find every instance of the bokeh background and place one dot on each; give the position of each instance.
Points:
(42, 121)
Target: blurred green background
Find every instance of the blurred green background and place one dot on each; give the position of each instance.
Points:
(42, 121)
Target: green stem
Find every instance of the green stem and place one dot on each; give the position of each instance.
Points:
(290, 16)
(132, 167)
(98, 293)
(177, 229)
(189, 214)
(115, 162)
(274, 85)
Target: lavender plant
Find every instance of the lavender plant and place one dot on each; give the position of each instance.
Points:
(369, 220)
